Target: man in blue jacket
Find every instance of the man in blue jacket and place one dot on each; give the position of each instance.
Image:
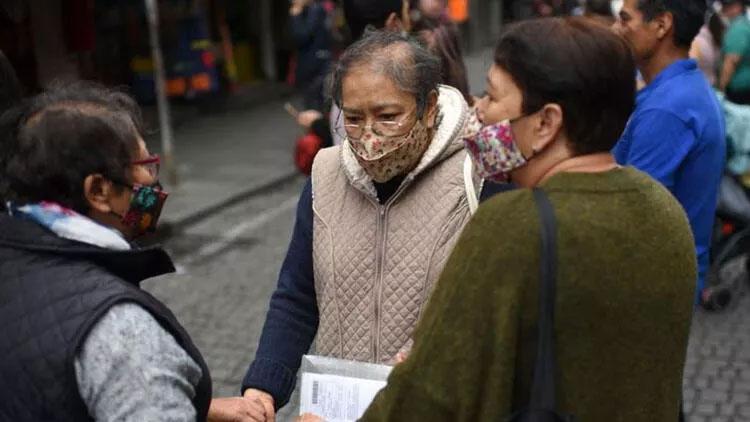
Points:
(676, 133)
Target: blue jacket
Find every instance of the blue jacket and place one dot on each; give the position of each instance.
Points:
(292, 319)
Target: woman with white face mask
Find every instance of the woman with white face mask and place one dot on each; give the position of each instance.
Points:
(559, 94)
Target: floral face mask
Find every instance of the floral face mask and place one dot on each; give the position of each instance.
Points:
(385, 157)
(493, 149)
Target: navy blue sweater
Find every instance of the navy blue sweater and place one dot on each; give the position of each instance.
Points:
(292, 319)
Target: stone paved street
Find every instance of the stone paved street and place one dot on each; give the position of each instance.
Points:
(717, 371)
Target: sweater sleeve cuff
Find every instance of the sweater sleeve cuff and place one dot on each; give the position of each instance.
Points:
(272, 377)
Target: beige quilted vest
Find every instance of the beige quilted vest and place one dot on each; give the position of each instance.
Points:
(375, 264)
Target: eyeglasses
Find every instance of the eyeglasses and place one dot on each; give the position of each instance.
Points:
(378, 127)
(151, 163)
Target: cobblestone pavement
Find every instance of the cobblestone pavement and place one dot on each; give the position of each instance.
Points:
(717, 371)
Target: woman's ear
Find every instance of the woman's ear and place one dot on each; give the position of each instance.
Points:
(548, 126)
(98, 192)
(431, 110)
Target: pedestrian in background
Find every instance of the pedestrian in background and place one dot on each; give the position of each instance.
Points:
(706, 48)
(442, 38)
(599, 11)
(735, 69)
(396, 184)
(625, 265)
(379, 14)
(311, 32)
(676, 133)
(80, 340)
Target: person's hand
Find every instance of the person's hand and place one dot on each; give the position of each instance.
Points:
(403, 353)
(237, 409)
(264, 399)
(308, 117)
(309, 417)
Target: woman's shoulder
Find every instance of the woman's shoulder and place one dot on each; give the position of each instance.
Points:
(505, 214)
(654, 194)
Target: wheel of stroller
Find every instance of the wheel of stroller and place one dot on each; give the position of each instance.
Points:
(725, 282)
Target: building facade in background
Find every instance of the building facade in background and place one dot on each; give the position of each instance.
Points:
(209, 45)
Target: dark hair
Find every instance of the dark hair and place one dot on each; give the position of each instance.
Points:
(411, 66)
(717, 29)
(61, 136)
(600, 8)
(688, 16)
(362, 13)
(443, 39)
(10, 88)
(582, 66)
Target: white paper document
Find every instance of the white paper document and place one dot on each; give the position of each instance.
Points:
(339, 390)
(336, 398)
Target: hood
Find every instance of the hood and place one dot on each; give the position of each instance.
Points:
(452, 115)
(133, 265)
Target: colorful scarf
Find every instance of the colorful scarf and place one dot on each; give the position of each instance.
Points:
(69, 224)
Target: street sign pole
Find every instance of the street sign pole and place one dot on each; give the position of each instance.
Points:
(165, 123)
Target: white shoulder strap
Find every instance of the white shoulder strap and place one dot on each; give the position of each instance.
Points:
(471, 192)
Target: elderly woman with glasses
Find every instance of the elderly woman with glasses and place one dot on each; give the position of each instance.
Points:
(375, 223)
(79, 339)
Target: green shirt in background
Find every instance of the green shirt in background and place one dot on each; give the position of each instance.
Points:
(626, 281)
(737, 41)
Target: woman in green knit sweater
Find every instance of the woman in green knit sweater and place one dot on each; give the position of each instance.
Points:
(626, 264)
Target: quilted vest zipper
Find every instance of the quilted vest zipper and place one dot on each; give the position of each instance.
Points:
(379, 259)
(382, 239)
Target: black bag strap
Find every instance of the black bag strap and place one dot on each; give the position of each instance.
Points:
(543, 394)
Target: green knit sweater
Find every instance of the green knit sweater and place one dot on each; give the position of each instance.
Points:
(626, 276)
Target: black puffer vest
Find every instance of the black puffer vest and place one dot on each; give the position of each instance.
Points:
(52, 291)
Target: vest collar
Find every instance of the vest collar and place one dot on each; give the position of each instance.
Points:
(133, 265)
(453, 111)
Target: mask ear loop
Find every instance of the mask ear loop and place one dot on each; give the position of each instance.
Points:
(534, 150)
(120, 216)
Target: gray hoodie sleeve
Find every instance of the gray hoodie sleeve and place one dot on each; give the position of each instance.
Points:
(129, 368)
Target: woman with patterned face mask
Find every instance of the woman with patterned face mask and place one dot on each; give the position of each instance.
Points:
(377, 220)
(558, 96)
(80, 340)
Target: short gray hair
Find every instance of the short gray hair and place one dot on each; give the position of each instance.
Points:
(410, 66)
